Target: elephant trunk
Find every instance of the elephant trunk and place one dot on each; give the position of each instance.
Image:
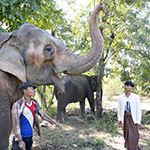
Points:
(79, 64)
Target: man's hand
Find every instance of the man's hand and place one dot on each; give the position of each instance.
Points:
(58, 125)
(120, 124)
(139, 126)
(22, 145)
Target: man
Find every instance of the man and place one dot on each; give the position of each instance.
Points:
(24, 115)
(129, 116)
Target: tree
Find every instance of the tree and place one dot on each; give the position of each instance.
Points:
(118, 22)
(136, 55)
(117, 25)
(45, 14)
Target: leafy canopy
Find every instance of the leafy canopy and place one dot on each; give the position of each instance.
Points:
(43, 13)
(125, 26)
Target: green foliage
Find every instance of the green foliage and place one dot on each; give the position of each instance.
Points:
(92, 142)
(52, 111)
(108, 122)
(76, 34)
(133, 60)
(112, 87)
(45, 95)
(49, 91)
(44, 14)
(146, 119)
(64, 33)
(142, 74)
(122, 29)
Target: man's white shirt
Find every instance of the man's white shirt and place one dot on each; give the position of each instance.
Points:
(135, 107)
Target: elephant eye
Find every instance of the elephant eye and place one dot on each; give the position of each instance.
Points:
(48, 48)
(48, 51)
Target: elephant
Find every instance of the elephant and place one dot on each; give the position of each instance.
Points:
(77, 88)
(32, 54)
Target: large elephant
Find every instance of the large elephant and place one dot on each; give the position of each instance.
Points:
(32, 54)
(77, 88)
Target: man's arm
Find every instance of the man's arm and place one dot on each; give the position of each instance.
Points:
(16, 126)
(44, 116)
(16, 122)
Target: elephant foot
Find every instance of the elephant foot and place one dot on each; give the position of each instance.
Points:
(81, 117)
(66, 118)
(60, 121)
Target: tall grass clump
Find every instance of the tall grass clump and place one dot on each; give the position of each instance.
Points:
(145, 119)
(92, 142)
(107, 123)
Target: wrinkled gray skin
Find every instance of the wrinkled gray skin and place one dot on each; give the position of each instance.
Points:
(31, 54)
(77, 88)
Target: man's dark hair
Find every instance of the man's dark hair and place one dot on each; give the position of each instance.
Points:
(25, 85)
(129, 83)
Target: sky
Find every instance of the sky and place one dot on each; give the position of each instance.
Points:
(83, 2)
(63, 4)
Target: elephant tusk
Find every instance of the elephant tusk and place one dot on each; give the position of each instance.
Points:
(61, 85)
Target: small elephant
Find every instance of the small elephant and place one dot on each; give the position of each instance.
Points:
(77, 88)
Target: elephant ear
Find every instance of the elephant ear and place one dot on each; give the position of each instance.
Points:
(11, 59)
(3, 38)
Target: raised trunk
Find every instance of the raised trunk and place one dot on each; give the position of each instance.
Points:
(80, 64)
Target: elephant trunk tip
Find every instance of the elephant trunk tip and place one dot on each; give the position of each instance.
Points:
(102, 5)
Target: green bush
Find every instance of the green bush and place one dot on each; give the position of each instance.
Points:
(112, 87)
(92, 142)
(145, 119)
(52, 111)
(108, 122)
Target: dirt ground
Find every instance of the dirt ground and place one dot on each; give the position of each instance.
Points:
(55, 139)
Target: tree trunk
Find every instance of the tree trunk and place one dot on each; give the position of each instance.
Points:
(42, 94)
(99, 92)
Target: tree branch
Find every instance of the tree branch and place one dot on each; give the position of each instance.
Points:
(3, 22)
(124, 15)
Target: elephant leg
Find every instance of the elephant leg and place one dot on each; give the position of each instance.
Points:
(60, 107)
(65, 114)
(92, 103)
(5, 124)
(59, 115)
(82, 108)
